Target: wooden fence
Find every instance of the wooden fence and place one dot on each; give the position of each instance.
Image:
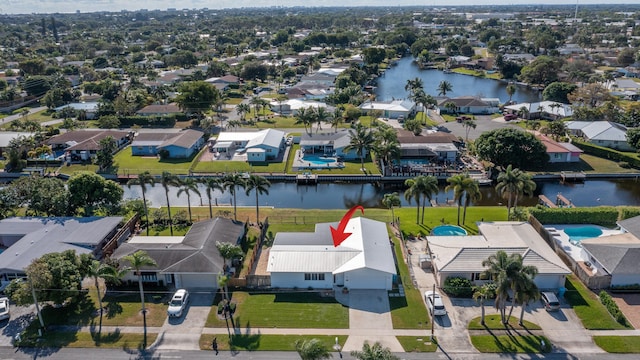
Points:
(122, 234)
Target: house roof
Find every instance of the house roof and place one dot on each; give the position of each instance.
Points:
(631, 225)
(39, 236)
(600, 130)
(269, 137)
(87, 106)
(367, 247)
(466, 253)
(160, 109)
(401, 105)
(338, 139)
(85, 139)
(557, 147)
(550, 107)
(617, 253)
(184, 139)
(7, 136)
(196, 252)
(462, 101)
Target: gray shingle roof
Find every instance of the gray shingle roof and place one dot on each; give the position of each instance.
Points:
(618, 259)
(631, 225)
(184, 139)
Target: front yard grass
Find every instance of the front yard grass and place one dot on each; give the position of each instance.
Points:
(618, 344)
(113, 340)
(494, 322)
(131, 165)
(259, 342)
(417, 343)
(285, 310)
(510, 344)
(592, 313)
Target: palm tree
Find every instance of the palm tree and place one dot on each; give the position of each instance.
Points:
(304, 116)
(187, 186)
(500, 269)
(413, 85)
(98, 270)
(508, 186)
(511, 89)
(337, 118)
(428, 187)
(232, 182)
(527, 186)
(138, 260)
(389, 201)
(524, 112)
(261, 186)
(167, 180)
(527, 291)
(375, 352)
(320, 115)
(361, 141)
(143, 180)
(468, 125)
(211, 184)
(451, 107)
(481, 294)
(444, 87)
(463, 187)
(242, 110)
(472, 193)
(312, 349)
(413, 191)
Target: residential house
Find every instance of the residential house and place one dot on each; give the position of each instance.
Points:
(190, 261)
(305, 260)
(160, 110)
(89, 108)
(601, 133)
(616, 255)
(625, 88)
(181, 144)
(259, 146)
(466, 105)
(462, 256)
(550, 110)
(291, 106)
(436, 146)
(84, 144)
(560, 151)
(394, 109)
(24, 239)
(329, 144)
(7, 136)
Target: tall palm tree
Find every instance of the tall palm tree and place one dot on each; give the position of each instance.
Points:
(232, 182)
(468, 125)
(188, 186)
(522, 281)
(361, 141)
(481, 294)
(511, 89)
(472, 193)
(320, 115)
(444, 87)
(526, 187)
(242, 110)
(337, 118)
(527, 291)
(414, 85)
(312, 349)
(507, 186)
(304, 116)
(390, 201)
(143, 180)
(461, 184)
(374, 352)
(428, 188)
(211, 184)
(98, 270)
(168, 180)
(260, 185)
(500, 268)
(138, 260)
(414, 191)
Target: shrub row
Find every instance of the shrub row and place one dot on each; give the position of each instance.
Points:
(458, 287)
(601, 215)
(612, 307)
(608, 153)
(152, 121)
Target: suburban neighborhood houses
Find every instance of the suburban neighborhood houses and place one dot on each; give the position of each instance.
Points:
(367, 182)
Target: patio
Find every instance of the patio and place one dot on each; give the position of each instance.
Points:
(303, 161)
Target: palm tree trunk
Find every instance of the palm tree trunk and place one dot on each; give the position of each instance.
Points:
(521, 314)
(146, 210)
(210, 209)
(95, 279)
(464, 212)
(417, 210)
(459, 211)
(422, 218)
(257, 209)
(482, 307)
(189, 207)
(235, 211)
(141, 291)
(362, 163)
(169, 212)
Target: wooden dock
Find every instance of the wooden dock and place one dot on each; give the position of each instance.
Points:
(573, 176)
(307, 179)
(546, 202)
(563, 201)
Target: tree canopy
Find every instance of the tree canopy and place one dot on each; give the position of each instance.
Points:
(89, 191)
(506, 146)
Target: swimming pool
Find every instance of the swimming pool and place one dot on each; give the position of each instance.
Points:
(448, 230)
(576, 234)
(318, 160)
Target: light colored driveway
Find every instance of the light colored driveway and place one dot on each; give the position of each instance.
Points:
(183, 333)
(484, 123)
(370, 320)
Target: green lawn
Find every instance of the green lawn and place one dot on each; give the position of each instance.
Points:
(408, 312)
(618, 344)
(258, 342)
(417, 344)
(69, 170)
(448, 215)
(40, 116)
(129, 164)
(115, 340)
(222, 166)
(510, 343)
(592, 313)
(494, 322)
(285, 310)
(588, 164)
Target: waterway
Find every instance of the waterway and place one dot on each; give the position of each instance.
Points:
(391, 84)
(345, 195)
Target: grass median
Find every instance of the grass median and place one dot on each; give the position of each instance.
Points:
(592, 313)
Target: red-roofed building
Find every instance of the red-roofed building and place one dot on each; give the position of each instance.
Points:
(560, 151)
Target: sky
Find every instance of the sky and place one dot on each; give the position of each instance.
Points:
(66, 6)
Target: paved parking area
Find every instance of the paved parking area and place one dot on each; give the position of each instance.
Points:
(370, 315)
(21, 317)
(629, 304)
(183, 333)
(483, 123)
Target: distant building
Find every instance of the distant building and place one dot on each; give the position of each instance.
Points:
(180, 145)
(601, 133)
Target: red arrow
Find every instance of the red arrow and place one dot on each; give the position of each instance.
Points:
(339, 235)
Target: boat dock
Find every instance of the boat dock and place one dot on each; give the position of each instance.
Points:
(572, 176)
(546, 202)
(307, 179)
(562, 201)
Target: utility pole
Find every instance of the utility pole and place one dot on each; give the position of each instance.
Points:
(35, 301)
(433, 304)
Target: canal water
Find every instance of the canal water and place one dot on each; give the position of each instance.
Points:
(391, 84)
(346, 195)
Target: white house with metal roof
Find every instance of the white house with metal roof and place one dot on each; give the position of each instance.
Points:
(601, 133)
(462, 256)
(259, 146)
(401, 108)
(541, 110)
(310, 260)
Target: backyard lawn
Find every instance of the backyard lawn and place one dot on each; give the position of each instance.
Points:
(284, 310)
(129, 165)
(222, 166)
(588, 164)
(592, 313)
(448, 215)
(259, 342)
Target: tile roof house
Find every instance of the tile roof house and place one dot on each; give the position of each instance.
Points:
(159, 110)
(329, 144)
(86, 143)
(310, 260)
(394, 109)
(190, 261)
(467, 105)
(435, 145)
(541, 110)
(24, 239)
(560, 151)
(601, 133)
(462, 256)
(181, 144)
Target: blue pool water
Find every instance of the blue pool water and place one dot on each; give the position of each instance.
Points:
(318, 160)
(584, 232)
(448, 230)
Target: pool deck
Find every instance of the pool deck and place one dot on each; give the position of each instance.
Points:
(300, 164)
(571, 248)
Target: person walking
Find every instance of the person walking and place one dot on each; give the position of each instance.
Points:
(214, 345)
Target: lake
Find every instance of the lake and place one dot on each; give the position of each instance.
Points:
(391, 84)
(346, 195)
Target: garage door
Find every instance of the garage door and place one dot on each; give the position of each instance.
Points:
(191, 281)
(549, 282)
(367, 279)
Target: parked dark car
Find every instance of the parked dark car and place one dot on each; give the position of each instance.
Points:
(509, 117)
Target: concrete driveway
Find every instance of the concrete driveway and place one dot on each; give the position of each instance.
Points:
(183, 333)
(484, 123)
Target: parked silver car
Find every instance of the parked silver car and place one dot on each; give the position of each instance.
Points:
(178, 303)
(4, 308)
(434, 303)
(550, 301)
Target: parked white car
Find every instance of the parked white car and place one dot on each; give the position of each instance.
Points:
(434, 303)
(4, 308)
(178, 303)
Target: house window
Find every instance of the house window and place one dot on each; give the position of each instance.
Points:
(314, 276)
(149, 276)
(479, 276)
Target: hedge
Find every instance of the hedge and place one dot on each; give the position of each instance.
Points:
(458, 287)
(600, 215)
(608, 153)
(612, 307)
(151, 121)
